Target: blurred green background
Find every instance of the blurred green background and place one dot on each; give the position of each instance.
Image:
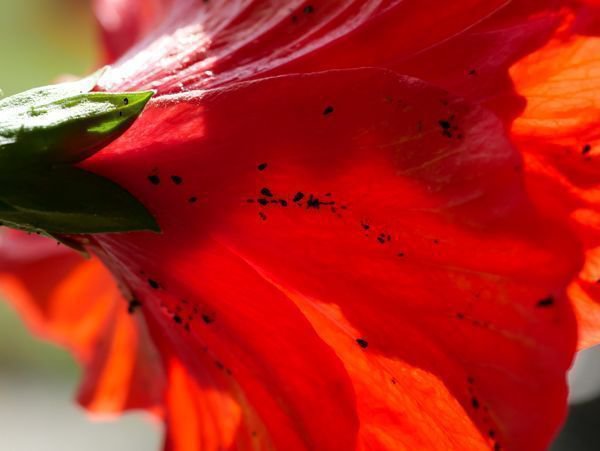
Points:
(39, 41)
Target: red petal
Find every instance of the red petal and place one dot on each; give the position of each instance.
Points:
(75, 302)
(423, 308)
(475, 63)
(560, 139)
(205, 44)
(125, 22)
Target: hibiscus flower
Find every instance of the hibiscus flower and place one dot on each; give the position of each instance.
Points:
(368, 238)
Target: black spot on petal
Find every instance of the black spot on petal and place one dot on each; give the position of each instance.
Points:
(313, 202)
(586, 149)
(298, 197)
(262, 166)
(475, 403)
(153, 284)
(177, 179)
(328, 110)
(133, 305)
(266, 192)
(546, 302)
(362, 343)
(444, 124)
(154, 179)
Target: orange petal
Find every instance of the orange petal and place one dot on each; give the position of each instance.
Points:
(208, 411)
(76, 303)
(559, 136)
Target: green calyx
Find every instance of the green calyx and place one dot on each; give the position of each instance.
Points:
(43, 133)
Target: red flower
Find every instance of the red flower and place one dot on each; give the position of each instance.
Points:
(350, 257)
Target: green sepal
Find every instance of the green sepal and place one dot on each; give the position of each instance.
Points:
(69, 200)
(51, 93)
(62, 124)
(42, 133)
